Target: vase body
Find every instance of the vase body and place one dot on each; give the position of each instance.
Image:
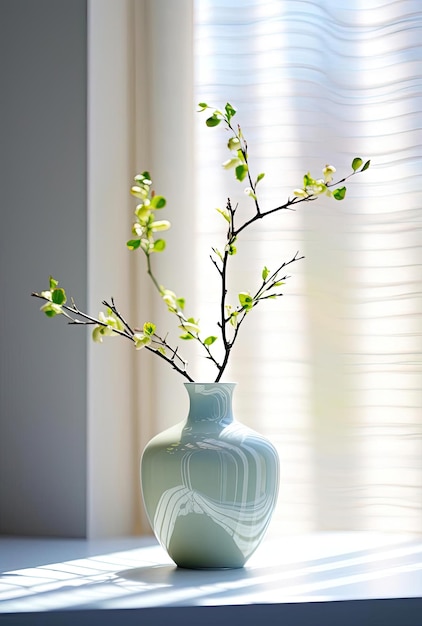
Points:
(209, 483)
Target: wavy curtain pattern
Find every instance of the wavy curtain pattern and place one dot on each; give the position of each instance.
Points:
(332, 371)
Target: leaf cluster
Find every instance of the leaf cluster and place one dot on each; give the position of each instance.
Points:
(146, 226)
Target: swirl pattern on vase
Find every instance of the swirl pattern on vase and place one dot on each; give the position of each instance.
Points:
(221, 482)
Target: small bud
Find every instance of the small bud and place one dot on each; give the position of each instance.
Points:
(97, 334)
(137, 229)
(111, 323)
(190, 327)
(328, 172)
(230, 163)
(160, 225)
(249, 192)
(51, 309)
(139, 192)
(319, 186)
(141, 340)
(170, 299)
(233, 144)
(142, 211)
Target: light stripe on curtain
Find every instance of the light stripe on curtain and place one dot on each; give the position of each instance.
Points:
(332, 371)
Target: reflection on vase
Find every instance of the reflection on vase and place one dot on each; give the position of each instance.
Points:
(209, 483)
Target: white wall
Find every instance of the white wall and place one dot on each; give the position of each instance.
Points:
(43, 365)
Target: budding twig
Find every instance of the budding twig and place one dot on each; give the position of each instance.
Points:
(145, 229)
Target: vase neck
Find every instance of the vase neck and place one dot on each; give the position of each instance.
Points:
(210, 403)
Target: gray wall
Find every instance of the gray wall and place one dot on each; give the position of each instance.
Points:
(43, 60)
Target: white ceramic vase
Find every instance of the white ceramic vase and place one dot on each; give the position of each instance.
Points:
(209, 483)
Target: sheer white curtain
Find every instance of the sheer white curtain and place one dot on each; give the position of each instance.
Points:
(331, 372)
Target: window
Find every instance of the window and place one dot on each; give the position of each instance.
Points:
(331, 372)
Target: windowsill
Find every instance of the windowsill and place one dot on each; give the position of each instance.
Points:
(327, 578)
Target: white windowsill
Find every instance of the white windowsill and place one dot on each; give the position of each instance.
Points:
(327, 578)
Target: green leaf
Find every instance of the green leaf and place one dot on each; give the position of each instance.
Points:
(180, 303)
(241, 172)
(53, 283)
(203, 106)
(339, 193)
(210, 340)
(265, 273)
(241, 155)
(231, 163)
(149, 328)
(225, 214)
(230, 111)
(158, 202)
(133, 244)
(365, 167)
(213, 121)
(50, 313)
(58, 296)
(356, 163)
(159, 245)
(308, 181)
(187, 336)
(249, 192)
(259, 177)
(246, 300)
(278, 283)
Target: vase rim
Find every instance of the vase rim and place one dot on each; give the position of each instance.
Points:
(210, 382)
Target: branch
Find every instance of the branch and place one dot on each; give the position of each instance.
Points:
(171, 361)
(286, 206)
(112, 307)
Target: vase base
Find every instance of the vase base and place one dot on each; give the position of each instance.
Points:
(210, 569)
(199, 543)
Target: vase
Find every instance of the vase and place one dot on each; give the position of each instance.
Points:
(209, 483)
